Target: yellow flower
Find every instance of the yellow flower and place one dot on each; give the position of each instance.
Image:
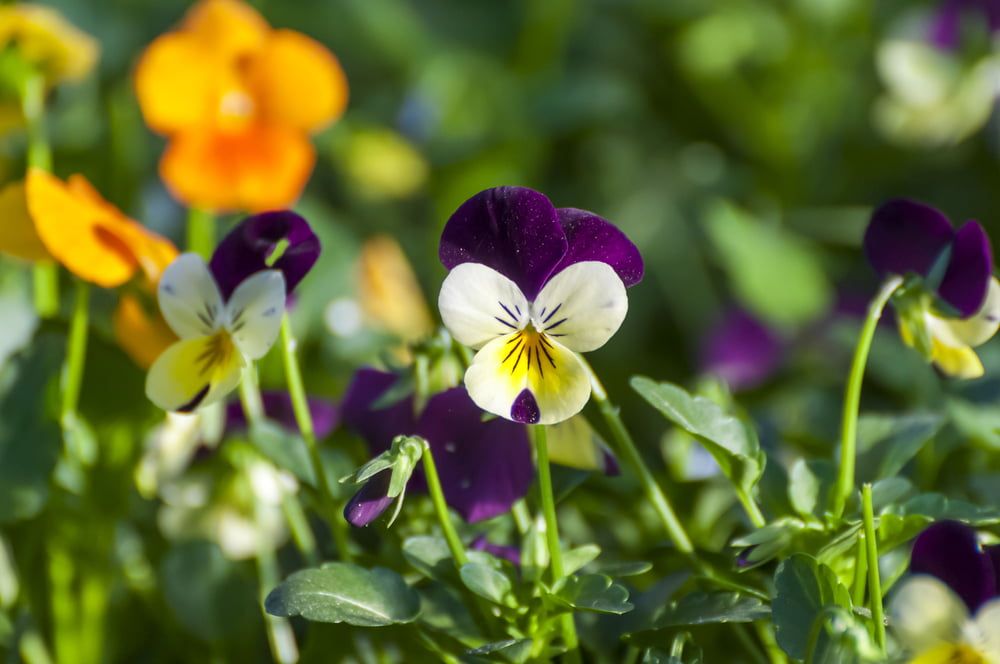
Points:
(388, 290)
(47, 42)
(238, 101)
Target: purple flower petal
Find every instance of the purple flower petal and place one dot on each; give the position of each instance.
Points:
(741, 350)
(905, 236)
(946, 26)
(513, 230)
(278, 407)
(525, 408)
(994, 553)
(246, 248)
(511, 553)
(485, 467)
(592, 238)
(370, 502)
(950, 551)
(967, 278)
(377, 426)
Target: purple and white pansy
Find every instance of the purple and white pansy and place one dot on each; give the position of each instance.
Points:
(950, 302)
(948, 609)
(227, 314)
(529, 287)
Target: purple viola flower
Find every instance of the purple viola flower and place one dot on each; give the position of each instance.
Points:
(484, 467)
(950, 551)
(906, 237)
(741, 350)
(529, 287)
(247, 248)
(278, 407)
(509, 553)
(946, 24)
(370, 502)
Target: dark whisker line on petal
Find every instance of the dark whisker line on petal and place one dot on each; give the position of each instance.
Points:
(551, 361)
(551, 313)
(515, 337)
(198, 398)
(517, 309)
(511, 352)
(517, 361)
(509, 312)
(538, 359)
(556, 324)
(501, 320)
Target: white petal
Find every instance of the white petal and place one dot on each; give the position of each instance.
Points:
(973, 331)
(193, 373)
(478, 305)
(988, 625)
(524, 378)
(582, 306)
(254, 312)
(925, 612)
(189, 297)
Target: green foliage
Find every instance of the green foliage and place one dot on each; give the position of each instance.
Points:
(804, 591)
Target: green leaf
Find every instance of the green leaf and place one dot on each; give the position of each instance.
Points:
(429, 554)
(887, 443)
(839, 637)
(804, 589)
(980, 423)
(29, 441)
(210, 595)
(731, 442)
(575, 559)
(285, 449)
(700, 608)
(442, 608)
(511, 650)
(618, 569)
(809, 485)
(534, 552)
(592, 592)
(772, 272)
(938, 507)
(486, 582)
(342, 592)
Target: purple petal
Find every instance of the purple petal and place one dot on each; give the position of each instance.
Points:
(511, 553)
(950, 551)
(278, 407)
(994, 553)
(944, 28)
(485, 467)
(513, 230)
(370, 502)
(741, 350)
(967, 278)
(525, 408)
(246, 248)
(905, 236)
(592, 238)
(378, 426)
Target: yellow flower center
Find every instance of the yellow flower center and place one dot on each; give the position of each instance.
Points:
(529, 351)
(950, 653)
(217, 352)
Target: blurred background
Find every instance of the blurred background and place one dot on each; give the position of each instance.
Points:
(740, 143)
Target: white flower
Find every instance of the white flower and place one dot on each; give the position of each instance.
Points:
(217, 339)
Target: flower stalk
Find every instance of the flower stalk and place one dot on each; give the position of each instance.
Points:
(201, 232)
(76, 354)
(441, 508)
(852, 397)
(45, 273)
(567, 626)
(874, 580)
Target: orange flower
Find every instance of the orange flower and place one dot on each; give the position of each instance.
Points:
(88, 235)
(238, 101)
(140, 330)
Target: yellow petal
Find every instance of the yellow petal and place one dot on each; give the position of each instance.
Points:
(18, 236)
(46, 40)
(950, 653)
(389, 292)
(297, 82)
(575, 444)
(141, 333)
(956, 361)
(261, 168)
(194, 372)
(231, 27)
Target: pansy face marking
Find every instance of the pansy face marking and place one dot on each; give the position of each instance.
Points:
(526, 368)
(217, 337)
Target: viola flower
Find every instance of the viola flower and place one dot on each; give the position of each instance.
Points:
(44, 40)
(484, 467)
(278, 408)
(71, 223)
(741, 350)
(389, 292)
(237, 101)
(529, 287)
(218, 335)
(949, 610)
(511, 554)
(936, 92)
(950, 302)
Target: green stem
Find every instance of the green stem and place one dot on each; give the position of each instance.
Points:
(852, 397)
(46, 273)
(751, 508)
(552, 534)
(76, 355)
(441, 508)
(874, 580)
(675, 530)
(280, 636)
(32, 647)
(860, 572)
(201, 232)
(303, 418)
(522, 520)
(298, 524)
